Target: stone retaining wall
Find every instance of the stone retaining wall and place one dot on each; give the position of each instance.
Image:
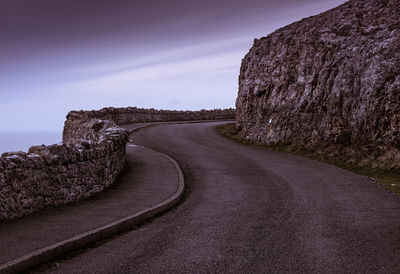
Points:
(53, 175)
(89, 159)
(139, 115)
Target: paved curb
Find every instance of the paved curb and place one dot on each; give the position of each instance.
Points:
(45, 254)
(79, 241)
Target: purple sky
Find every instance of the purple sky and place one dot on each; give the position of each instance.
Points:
(56, 56)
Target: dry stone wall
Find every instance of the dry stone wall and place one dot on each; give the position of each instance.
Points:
(332, 78)
(86, 163)
(89, 159)
(139, 115)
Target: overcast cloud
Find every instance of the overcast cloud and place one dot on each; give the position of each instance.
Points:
(74, 54)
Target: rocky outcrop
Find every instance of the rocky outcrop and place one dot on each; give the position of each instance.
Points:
(140, 115)
(333, 78)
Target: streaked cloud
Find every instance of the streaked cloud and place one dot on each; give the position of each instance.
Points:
(87, 54)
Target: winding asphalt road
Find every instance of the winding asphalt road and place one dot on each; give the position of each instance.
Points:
(249, 210)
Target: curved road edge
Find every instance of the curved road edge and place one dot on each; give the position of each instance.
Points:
(45, 254)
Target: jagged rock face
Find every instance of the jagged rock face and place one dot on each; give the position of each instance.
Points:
(331, 78)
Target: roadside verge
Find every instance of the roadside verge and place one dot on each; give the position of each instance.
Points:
(334, 155)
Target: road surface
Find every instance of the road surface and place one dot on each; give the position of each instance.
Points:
(249, 210)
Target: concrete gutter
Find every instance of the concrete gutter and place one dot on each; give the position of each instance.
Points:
(45, 254)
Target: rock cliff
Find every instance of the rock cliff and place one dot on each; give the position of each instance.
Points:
(332, 78)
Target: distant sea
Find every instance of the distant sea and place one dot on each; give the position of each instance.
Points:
(23, 140)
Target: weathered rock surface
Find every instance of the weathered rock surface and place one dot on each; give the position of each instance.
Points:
(332, 78)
